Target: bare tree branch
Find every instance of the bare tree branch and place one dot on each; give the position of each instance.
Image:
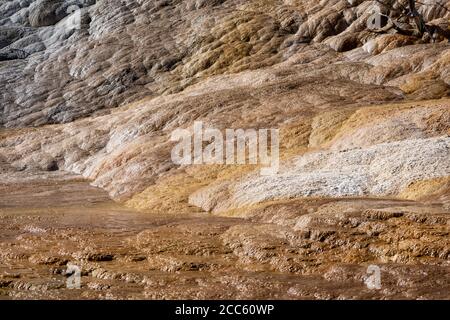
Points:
(409, 21)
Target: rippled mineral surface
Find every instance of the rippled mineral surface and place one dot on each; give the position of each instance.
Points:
(91, 91)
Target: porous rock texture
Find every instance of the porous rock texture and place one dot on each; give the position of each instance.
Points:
(92, 90)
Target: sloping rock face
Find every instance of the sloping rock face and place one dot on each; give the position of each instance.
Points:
(94, 89)
(62, 64)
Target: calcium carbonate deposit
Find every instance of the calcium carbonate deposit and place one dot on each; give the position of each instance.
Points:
(92, 90)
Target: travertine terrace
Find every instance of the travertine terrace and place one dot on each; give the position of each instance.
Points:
(86, 176)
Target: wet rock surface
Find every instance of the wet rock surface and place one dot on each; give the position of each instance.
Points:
(300, 249)
(65, 60)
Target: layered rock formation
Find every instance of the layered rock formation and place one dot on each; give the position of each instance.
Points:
(93, 90)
